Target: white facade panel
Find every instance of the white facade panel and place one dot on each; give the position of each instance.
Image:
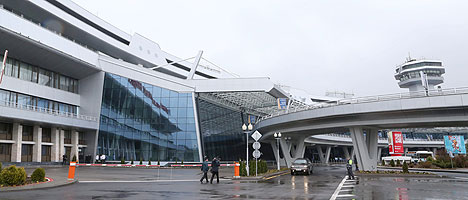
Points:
(34, 89)
(42, 35)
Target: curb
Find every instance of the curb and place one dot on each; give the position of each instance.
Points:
(264, 177)
(428, 170)
(400, 175)
(39, 188)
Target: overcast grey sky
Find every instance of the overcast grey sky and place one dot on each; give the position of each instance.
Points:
(318, 46)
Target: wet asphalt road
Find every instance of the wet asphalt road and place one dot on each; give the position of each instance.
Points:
(120, 183)
(184, 184)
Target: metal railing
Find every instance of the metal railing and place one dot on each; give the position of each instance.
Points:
(46, 111)
(368, 99)
(385, 138)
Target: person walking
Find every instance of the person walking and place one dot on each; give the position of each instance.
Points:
(204, 169)
(64, 159)
(215, 170)
(349, 167)
(103, 159)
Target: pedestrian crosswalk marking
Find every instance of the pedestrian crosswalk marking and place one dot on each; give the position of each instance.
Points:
(344, 186)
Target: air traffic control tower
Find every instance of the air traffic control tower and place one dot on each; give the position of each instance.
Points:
(419, 75)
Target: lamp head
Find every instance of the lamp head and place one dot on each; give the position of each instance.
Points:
(244, 127)
(279, 134)
(276, 135)
(250, 127)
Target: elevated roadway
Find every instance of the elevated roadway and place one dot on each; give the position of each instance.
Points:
(441, 108)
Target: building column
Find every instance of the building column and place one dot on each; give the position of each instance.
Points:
(55, 151)
(346, 152)
(37, 147)
(16, 147)
(92, 141)
(74, 141)
(352, 153)
(434, 150)
(62, 145)
(366, 150)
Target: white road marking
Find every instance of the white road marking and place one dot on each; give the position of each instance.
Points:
(345, 186)
(345, 195)
(337, 191)
(464, 178)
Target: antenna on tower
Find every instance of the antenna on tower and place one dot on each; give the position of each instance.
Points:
(409, 57)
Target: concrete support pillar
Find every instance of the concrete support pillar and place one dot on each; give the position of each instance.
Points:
(321, 154)
(300, 148)
(62, 145)
(285, 149)
(74, 141)
(434, 150)
(55, 149)
(295, 149)
(406, 151)
(366, 150)
(379, 154)
(274, 147)
(37, 147)
(346, 152)
(16, 147)
(352, 153)
(327, 154)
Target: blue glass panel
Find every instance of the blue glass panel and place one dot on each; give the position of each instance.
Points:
(143, 122)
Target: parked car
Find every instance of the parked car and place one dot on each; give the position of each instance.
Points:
(302, 165)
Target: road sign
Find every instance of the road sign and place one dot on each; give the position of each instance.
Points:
(256, 145)
(256, 154)
(256, 136)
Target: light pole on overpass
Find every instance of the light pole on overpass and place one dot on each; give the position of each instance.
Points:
(278, 137)
(249, 128)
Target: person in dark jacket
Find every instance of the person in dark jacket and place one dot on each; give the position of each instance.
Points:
(349, 168)
(214, 170)
(204, 169)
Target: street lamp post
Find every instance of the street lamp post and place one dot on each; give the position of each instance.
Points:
(249, 128)
(278, 137)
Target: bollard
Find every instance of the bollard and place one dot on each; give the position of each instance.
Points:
(236, 170)
(71, 171)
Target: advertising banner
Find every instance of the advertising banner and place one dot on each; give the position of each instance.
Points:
(251, 119)
(455, 144)
(282, 103)
(395, 143)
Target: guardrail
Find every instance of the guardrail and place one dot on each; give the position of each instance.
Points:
(368, 99)
(46, 111)
(384, 138)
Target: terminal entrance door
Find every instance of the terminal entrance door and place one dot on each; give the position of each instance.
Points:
(68, 153)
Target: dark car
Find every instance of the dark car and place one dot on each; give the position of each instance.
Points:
(302, 165)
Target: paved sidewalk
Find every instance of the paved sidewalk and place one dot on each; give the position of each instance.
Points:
(459, 170)
(58, 174)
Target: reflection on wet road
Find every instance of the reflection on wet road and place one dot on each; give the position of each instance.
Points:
(319, 185)
(184, 184)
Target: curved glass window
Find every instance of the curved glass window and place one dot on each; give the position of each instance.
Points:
(143, 121)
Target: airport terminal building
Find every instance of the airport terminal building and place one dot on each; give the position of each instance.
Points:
(75, 85)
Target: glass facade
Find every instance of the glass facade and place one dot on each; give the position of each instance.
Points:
(221, 130)
(143, 121)
(24, 71)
